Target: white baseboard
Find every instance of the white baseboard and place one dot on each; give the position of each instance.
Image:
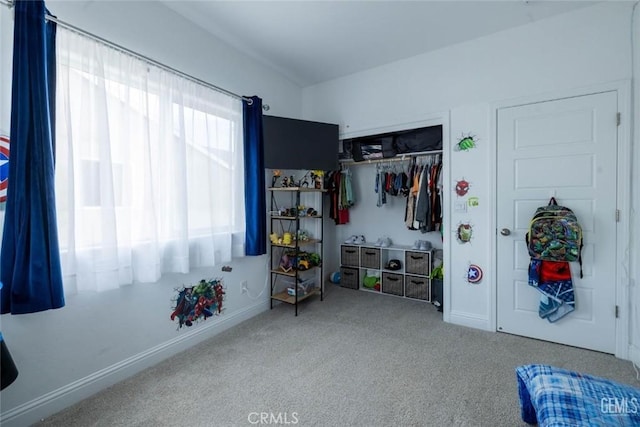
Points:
(634, 355)
(470, 320)
(57, 400)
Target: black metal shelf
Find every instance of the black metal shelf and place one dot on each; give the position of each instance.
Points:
(291, 224)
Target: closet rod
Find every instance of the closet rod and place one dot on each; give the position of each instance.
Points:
(405, 157)
(141, 57)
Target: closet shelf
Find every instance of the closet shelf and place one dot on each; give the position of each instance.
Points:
(397, 158)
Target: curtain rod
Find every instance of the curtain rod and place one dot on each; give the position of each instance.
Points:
(139, 56)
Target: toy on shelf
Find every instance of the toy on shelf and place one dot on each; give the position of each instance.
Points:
(315, 259)
(316, 177)
(274, 179)
(371, 280)
(286, 239)
(301, 262)
(303, 235)
(304, 182)
(286, 263)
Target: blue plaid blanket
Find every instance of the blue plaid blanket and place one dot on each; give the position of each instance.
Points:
(553, 396)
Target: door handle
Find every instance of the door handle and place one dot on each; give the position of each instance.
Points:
(505, 231)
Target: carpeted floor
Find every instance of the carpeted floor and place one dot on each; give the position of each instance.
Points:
(355, 359)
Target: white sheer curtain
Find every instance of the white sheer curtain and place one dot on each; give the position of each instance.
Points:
(149, 169)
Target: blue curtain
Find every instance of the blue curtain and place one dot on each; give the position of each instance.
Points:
(254, 185)
(30, 258)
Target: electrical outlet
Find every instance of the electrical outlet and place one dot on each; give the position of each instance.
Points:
(244, 286)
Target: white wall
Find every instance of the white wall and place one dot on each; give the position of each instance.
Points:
(67, 354)
(635, 189)
(587, 47)
(6, 48)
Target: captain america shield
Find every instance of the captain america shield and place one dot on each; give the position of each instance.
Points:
(474, 274)
(4, 167)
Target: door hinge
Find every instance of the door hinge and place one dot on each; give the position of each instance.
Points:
(617, 215)
(617, 311)
(618, 119)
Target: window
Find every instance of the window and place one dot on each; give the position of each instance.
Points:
(149, 169)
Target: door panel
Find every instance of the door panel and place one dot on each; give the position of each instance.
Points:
(566, 148)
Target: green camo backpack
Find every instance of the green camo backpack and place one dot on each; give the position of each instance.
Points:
(555, 234)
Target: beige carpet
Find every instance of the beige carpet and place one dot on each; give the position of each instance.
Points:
(355, 359)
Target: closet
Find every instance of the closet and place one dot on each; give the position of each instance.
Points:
(388, 207)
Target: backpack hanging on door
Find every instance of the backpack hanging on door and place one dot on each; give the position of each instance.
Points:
(555, 234)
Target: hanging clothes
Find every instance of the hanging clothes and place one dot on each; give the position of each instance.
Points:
(341, 196)
(380, 187)
(436, 198)
(414, 182)
(424, 201)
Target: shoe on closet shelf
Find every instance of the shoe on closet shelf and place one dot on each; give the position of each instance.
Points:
(351, 240)
(425, 245)
(360, 240)
(378, 242)
(416, 245)
(385, 243)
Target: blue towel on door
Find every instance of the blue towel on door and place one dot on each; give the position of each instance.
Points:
(553, 280)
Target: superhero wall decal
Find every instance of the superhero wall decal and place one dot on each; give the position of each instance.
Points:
(464, 232)
(466, 143)
(474, 274)
(462, 187)
(199, 302)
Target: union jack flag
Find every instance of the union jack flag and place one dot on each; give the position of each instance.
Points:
(4, 167)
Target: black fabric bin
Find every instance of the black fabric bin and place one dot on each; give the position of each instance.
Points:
(8, 369)
(419, 140)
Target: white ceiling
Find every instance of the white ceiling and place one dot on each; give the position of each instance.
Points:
(314, 41)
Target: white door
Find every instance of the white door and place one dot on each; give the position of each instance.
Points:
(565, 148)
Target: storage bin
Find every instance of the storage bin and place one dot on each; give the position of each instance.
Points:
(304, 285)
(417, 262)
(370, 258)
(349, 278)
(350, 255)
(393, 283)
(417, 287)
